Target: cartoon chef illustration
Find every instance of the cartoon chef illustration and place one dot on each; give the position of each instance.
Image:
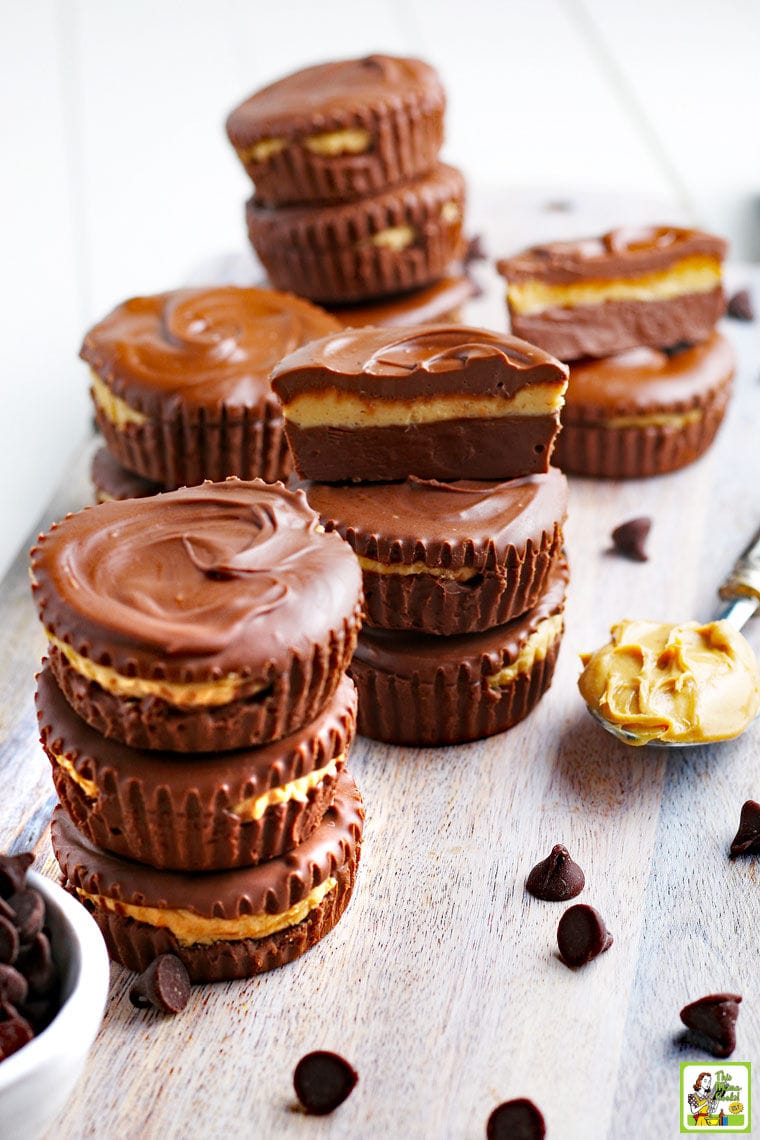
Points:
(703, 1102)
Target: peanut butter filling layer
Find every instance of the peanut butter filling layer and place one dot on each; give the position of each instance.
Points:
(117, 411)
(696, 274)
(372, 567)
(535, 649)
(182, 694)
(331, 408)
(254, 807)
(192, 929)
(686, 683)
(656, 419)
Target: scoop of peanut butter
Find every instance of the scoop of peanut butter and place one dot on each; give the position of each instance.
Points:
(685, 684)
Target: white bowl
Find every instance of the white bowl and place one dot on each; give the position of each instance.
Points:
(36, 1081)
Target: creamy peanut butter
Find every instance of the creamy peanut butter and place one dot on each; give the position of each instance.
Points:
(696, 274)
(262, 150)
(116, 410)
(346, 409)
(351, 140)
(408, 568)
(182, 694)
(395, 238)
(534, 649)
(255, 806)
(192, 929)
(656, 419)
(687, 683)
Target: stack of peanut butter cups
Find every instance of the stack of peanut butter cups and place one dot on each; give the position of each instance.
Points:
(634, 312)
(428, 449)
(351, 203)
(197, 714)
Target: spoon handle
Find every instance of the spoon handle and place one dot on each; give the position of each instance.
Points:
(742, 586)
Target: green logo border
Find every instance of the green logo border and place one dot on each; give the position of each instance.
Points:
(717, 1131)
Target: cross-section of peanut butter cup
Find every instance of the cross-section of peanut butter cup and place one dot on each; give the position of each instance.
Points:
(180, 381)
(420, 689)
(399, 239)
(204, 619)
(221, 924)
(435, 401)
(340, 130)
(211, 812)
(448, 558)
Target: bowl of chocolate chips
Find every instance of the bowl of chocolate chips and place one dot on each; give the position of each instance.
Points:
(53, 988)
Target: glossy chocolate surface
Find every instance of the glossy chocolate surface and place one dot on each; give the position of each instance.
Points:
(229, 577)
(436, 302)
(270, 887)
(204, 349)
(620, 253)
(453, 525)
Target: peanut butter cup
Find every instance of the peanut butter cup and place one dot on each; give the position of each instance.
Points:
(180, 381)
(657, 286)
(112, 481)
(644, 412)
(441, 301)
(422, 689)
(448, 558)
(340, 130)
(204, 619)
(436, 401)
(399, 239)
(211, 812)
(221, 924)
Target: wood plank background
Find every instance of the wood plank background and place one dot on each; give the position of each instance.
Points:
(442, 984)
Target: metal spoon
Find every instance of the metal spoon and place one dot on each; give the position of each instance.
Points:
(741, 592)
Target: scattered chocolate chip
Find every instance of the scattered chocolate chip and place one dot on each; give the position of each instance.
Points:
(9, 941)
(747, 838)
(29, 909)
(13, 986)
(677, 349)
(322, 1081)
(740, 306)
(516, 1120)
(14, 1033)
(37, 965)
(712, 1020)
(13, 870)
(556, 878)
(6, 911)
(165, 985)
(475, 250)
(582, 935)
(629, 538)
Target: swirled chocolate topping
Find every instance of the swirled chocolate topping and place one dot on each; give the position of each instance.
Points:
(270, 887)
(646, 378)
(619, 253)
(465, 523)
(197, 583)
(203, 348)
(335, 94)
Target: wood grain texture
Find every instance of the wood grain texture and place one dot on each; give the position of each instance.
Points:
(442, 985)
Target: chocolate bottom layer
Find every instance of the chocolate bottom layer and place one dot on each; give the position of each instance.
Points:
(114, 482)
(292, 699)
(603, 452)
(614, 326)
(505, 447)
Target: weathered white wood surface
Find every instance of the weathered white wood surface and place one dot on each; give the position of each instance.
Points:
(442, 984)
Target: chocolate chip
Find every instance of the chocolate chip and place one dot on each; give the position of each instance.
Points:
(630, 536)
(39, 1012)
(740, 306)
(712, 1020)
(165, 985)
(14, 1033)
(747, 838)
(9, 941)
(13, 870)
(582, 935)
(516, 1120)
(556, 878)
(37, 965)
(475, 250)
(29, 909)
(322, 1081)
(13, 985)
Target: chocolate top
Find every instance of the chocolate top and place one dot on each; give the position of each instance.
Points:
(645, 379)
(224, 778)
(431, 303)
(270, 887)
(200, 348)
(619, 253)
(480, 654)
(454, 525)
(422, 360)
(334, 96)
(112, 481)
(195, 584)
